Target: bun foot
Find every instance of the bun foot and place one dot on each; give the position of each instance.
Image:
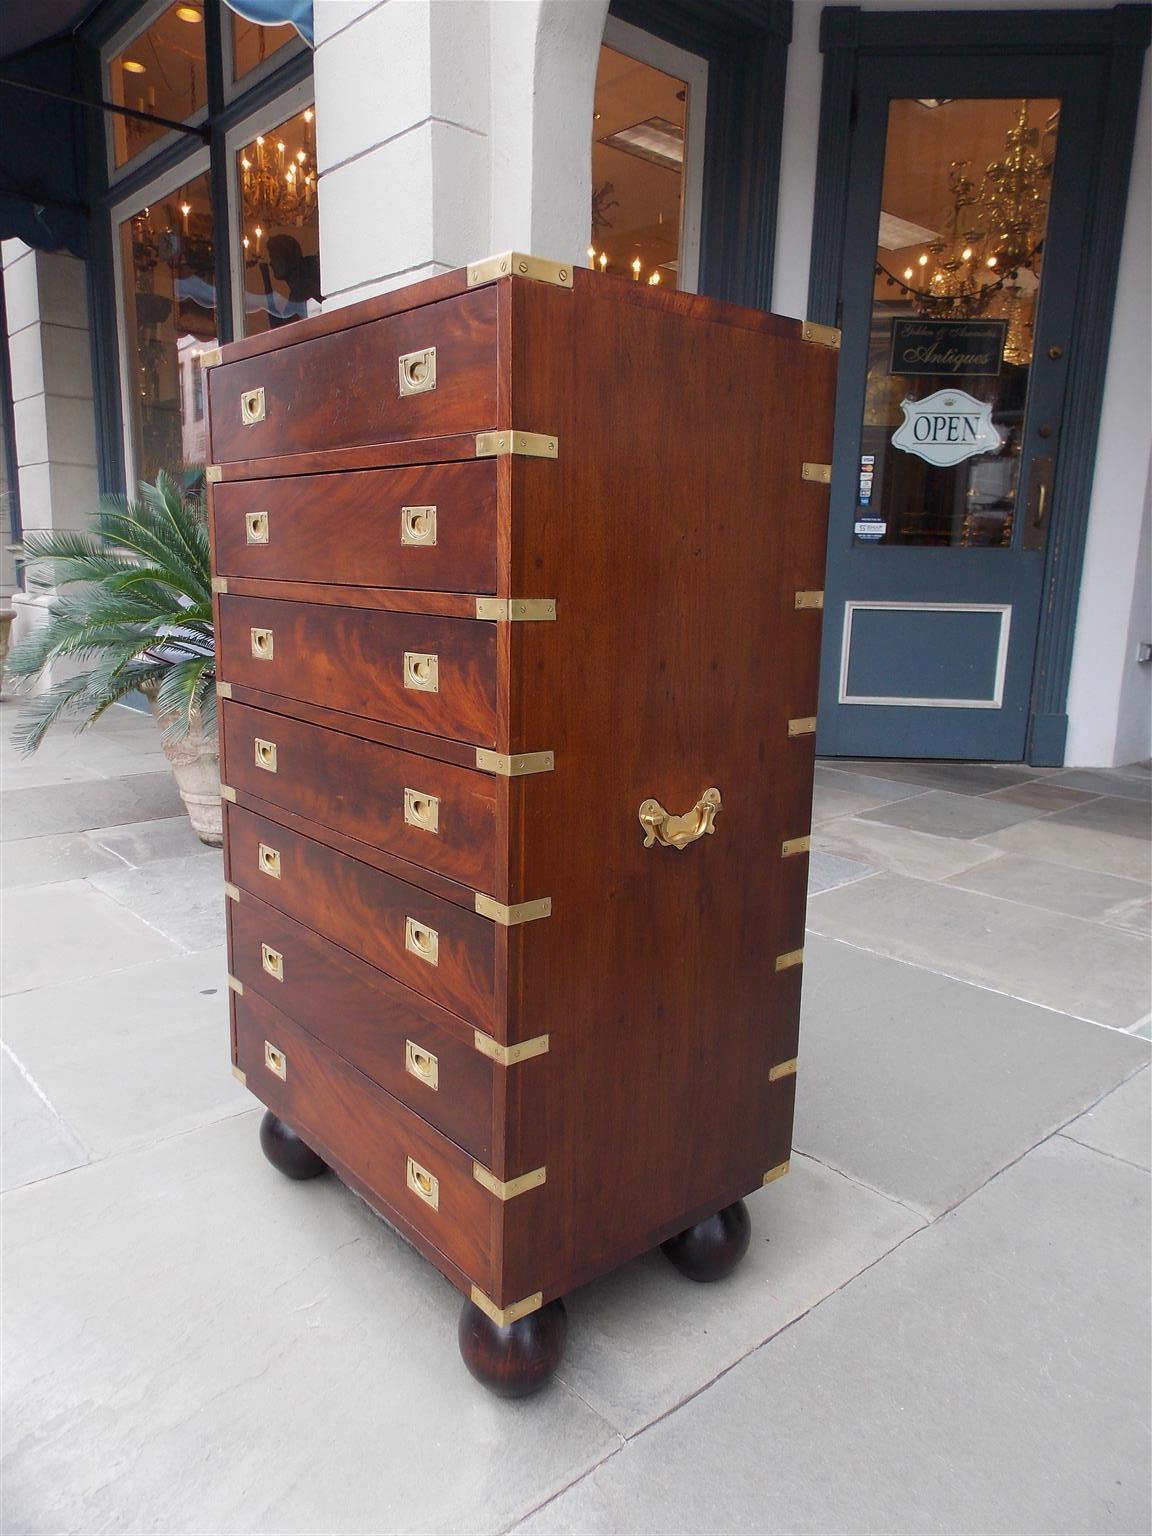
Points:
(516, 1360)
(285, 1151)
(713, 1247)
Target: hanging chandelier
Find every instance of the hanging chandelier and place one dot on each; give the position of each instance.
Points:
(278, 186)
(991, 234)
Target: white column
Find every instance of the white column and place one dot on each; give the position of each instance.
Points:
(447, 132)
(46, 300)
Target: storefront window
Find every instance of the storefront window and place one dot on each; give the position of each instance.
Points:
(279, 224)
(638, 170)
(252, 44)
(169, 295)
(162, 70)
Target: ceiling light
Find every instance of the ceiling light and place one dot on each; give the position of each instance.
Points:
(188, 13)
(131, 67)
(656, 139)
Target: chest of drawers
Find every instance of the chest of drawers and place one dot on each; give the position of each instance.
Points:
(518, 582)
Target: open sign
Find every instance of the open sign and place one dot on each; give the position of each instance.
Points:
(947, 427)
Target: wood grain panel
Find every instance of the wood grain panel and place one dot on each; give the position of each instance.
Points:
(358, 787)
(348, 528)
(352, 659)
(364, 910)
(341, 1114)
(341, 390)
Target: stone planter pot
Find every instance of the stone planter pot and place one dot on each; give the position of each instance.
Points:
(195, 761)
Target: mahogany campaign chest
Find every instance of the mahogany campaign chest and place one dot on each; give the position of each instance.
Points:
(518, 580)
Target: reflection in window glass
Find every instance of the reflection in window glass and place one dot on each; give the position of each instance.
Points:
(170, 316)
(280, 224)
(959, 267)
(638, 138)
(252, 44)
(162, 70)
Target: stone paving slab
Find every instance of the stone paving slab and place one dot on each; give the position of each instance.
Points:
(95, 803)
(1075, 892)
(69, 931)
(958, 778)
(182, 898)
(828, 870)
(1120, 1124)
(944, 814)
(924, 1087)
(1090, 836)
(918, 854)
(1064, 963)
(990, 1375)
(35, 1142)
(151, 1057)
(644, 1337)
(195, 1344)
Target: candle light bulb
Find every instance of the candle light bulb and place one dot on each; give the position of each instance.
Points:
(185, 209)
(636, 270)
(966, 253)
(907, 271)
(301, 156)
(654, 280)
(592, 257)
(603, 260)
(259, 138)
(308, 114)
(281, 148)
(991, 262)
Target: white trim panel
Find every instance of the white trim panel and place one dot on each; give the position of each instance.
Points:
(897, 702)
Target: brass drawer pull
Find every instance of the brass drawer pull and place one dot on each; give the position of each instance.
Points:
(423, 1183)
(265, 754)
(272, 961)
(275, 1061)
(422, 811)
(418, 371)
(252, 407)
(418, 525)
(256, 527)
(262, 644)
(421, 671)
(421, 1065)
(678, 831)
(269, 861)
(421, 940)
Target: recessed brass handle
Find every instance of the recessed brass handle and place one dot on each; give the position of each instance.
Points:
(421, 810)
(418, 525)
(423, 1183)
(252, 407)
(421, 940)
(272, 961)
(422, 671)
(418, 371)
(678, 831)
(262, 644)
(265, 752)
(256, 527)
(269, 861)
(421, 1065)
(275, 1060)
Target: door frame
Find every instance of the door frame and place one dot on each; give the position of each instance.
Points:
(1120, 36)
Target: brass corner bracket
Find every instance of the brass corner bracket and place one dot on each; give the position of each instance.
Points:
(533, 445)
(213, 474)
(508, 1189)
(775, 1173)
(821, 474)
(516, 609)
(822, 335)
(516, 264)
(211, 358)
(509, 917)
(512, 765)
(512, 1313)
(509, 1055)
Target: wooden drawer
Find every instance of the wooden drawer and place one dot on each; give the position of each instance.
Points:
(356, 660)
(343, 390)
(379, 918)
(369, 528)
(431, 813)
(350, 1121)
(406, 1044)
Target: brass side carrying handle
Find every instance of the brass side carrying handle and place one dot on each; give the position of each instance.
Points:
(678, 831)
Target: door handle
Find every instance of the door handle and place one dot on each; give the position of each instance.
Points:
(1039, 504)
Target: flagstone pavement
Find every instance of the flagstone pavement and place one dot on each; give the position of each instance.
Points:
(942, 1324)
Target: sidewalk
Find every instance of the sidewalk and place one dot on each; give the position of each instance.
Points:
(942, 1323)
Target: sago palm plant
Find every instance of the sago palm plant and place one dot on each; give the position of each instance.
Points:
(134, 602)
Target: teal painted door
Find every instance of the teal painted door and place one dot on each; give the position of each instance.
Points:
(966, 207)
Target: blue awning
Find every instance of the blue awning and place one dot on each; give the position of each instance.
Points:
(271, 13)
(43, 154)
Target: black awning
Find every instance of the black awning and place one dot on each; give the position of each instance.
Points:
(43, 148)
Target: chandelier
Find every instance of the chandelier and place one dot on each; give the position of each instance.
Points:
(990, 234)
(278, 187)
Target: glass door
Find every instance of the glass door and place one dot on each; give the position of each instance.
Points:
(968, 192)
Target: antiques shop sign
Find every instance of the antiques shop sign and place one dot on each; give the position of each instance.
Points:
(947, 427)
(948, 349)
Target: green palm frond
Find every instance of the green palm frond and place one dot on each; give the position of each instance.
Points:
(135, 600)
